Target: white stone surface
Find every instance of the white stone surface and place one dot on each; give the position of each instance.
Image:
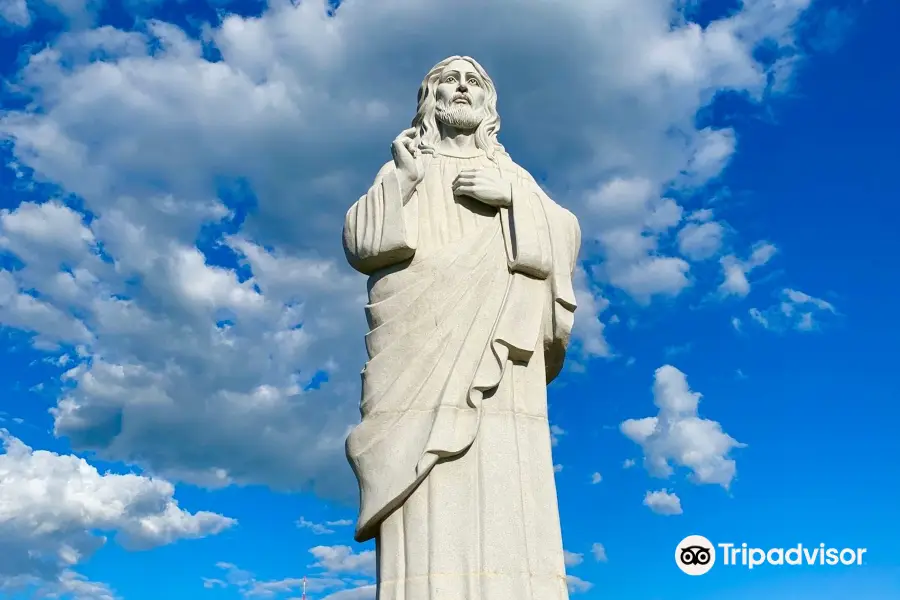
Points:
(471, 305)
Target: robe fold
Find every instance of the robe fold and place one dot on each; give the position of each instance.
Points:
(470, 310)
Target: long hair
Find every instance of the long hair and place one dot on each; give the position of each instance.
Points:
(426, 123)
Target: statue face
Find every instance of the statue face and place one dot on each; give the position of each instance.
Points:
(460, 96)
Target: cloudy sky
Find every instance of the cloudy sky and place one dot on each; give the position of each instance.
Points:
(181, 338)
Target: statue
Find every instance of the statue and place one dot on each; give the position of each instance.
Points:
(471, 305)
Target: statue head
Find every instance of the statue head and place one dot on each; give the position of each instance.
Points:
(457, 92)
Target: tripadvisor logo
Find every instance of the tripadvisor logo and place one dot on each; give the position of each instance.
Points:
(696, 555)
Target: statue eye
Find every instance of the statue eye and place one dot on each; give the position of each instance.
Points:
(450, 79)
(473, 81)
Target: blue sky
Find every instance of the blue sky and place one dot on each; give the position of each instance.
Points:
(175, 304)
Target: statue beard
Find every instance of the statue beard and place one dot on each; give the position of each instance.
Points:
(460, 116)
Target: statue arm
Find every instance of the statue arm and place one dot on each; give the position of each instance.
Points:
(380, 229)
(528, 245)
(562, 316)
(576, 241)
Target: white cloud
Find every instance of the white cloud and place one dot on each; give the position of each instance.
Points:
(572, 559)
(193, 357)
(226, 352)
(589, 329)
(363, 592)
(322, 528)
(663, 502)
(596, 478)
(248, 586)
(796, 298)
(796, 310)
(555, 433)
(700, 215)
(599, 552)
(73, 586)
(700, 241)
(56, 508)
(678, 435)
(342, 559)
(628, 463)
(735, 271)
(713, 149)
(577, 585)
(15, 12)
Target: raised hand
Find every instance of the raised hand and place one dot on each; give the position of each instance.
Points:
(484, 185)
(409, 169)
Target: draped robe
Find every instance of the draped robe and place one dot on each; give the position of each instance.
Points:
(470, 310)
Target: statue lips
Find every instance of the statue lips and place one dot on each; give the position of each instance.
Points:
(460, 99)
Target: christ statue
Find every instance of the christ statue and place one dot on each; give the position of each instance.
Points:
(470, 309)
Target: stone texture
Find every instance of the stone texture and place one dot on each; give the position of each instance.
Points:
(470, 310)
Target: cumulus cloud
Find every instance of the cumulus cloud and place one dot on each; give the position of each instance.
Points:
(363, 592)
(248, 586)
(555, 433)
(735, 271)
(577, 585)
(342, 574)
(599, 552)
(15, 13)
(322, 528)
(56, 509)
(572, 559)
(342, 559)
(796, 310)
(700, 238)
(190, 367)
(596, 478)
(630, 218)
(199, 339)
(677, 434)
(589, 330)
(663, 502)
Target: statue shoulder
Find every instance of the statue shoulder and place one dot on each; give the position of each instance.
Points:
(384, 170)
(508, 164)
(524, 175)
(558, 210)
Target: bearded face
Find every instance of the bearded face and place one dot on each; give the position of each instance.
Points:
(460, 96)
(461, 115)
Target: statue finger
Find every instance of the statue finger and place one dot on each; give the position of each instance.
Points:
(397, 146)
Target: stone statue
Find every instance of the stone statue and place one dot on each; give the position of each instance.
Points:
(471, 304)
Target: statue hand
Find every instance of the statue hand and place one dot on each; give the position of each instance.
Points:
(484, 185)
(409, 169)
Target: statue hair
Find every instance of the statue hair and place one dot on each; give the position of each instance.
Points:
(426, 123)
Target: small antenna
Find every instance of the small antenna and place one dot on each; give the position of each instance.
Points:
(303, 597)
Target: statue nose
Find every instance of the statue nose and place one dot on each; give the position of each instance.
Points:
(462, 87)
